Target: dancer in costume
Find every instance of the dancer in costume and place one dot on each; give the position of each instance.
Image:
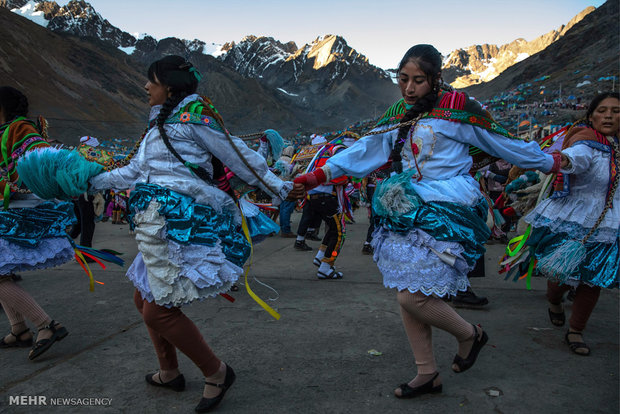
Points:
(32, 232)
(188, 230)
(431, 216)
(584, 208)
(326, 202)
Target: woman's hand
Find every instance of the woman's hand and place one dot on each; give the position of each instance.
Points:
(311, 179)
(559, 161)
(297, 192)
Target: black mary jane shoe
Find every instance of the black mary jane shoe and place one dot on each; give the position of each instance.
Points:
(176, 384)
(465, 363)
(18, 342)
(427, 388)
(207, 404)
(43, 345)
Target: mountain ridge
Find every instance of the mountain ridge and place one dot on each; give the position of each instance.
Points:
(260, 82)
(481, 63)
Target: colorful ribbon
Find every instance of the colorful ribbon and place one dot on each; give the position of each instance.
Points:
(253, 295)
(519, 241)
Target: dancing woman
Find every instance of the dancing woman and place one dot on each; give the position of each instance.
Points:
(188, 229)
(431, 216)
(585, 207)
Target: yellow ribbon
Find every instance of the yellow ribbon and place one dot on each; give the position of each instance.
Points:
(87, 268)
(253, 295)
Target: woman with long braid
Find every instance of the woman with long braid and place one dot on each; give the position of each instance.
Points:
(431, 212)
(188, 228)
(585, 207)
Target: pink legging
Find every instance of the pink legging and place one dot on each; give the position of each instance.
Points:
(419, 312)
(170, 329)
(18, 305)
(585, 300)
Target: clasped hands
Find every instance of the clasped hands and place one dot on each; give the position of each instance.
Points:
(306, 182)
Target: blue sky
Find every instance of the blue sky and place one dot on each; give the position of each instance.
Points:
(381, 30)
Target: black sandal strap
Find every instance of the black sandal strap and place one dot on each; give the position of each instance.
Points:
(214, 385)
(17, 335)
(51, 326)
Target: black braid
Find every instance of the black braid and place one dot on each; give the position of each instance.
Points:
(171, 102)
(422, 105)
(428, 59)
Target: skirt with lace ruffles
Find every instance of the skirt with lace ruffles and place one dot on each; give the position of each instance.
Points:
(432, 247)
(188, 251)
(34, 238)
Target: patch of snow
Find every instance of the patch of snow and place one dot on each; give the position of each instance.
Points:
(28, 11)
(128, 50)
(288, 93)
(522, 56)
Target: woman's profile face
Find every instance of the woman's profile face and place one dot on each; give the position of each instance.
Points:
(157, 92)
(606, 117)
(413, 82)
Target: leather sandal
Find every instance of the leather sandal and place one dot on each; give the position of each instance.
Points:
(574, 346)
(557, 319)
(44, 344)
(208, 404)
(465, 363)
(333, 274)
(176, 384)
(427, 388)
(18, 342)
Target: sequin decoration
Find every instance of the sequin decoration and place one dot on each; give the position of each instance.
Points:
(188, 222)
(29, 226)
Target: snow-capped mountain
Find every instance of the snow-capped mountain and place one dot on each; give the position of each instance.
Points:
(256, 83)
(327, 59)
(285, 66)
(78, 18)
(481, 63)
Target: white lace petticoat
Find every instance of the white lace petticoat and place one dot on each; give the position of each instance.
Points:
(418, 262)
(174, 274)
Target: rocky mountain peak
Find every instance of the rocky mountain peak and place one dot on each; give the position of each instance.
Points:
(482, 63)
(80, 18)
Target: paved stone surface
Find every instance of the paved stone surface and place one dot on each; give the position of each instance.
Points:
(315, 359)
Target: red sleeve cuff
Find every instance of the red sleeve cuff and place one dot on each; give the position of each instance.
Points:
(557, 162)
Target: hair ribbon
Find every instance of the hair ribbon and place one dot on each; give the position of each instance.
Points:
(196, 73)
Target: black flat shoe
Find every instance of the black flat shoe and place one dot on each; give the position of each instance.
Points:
(177, 384)
(469, 300)
(207, 404)
(408, 392)
(465, 363)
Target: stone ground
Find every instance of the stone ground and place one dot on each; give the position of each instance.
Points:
(316, 358)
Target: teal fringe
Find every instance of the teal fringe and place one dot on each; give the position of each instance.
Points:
(563, 261)
(56, 173)
(276, 142)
